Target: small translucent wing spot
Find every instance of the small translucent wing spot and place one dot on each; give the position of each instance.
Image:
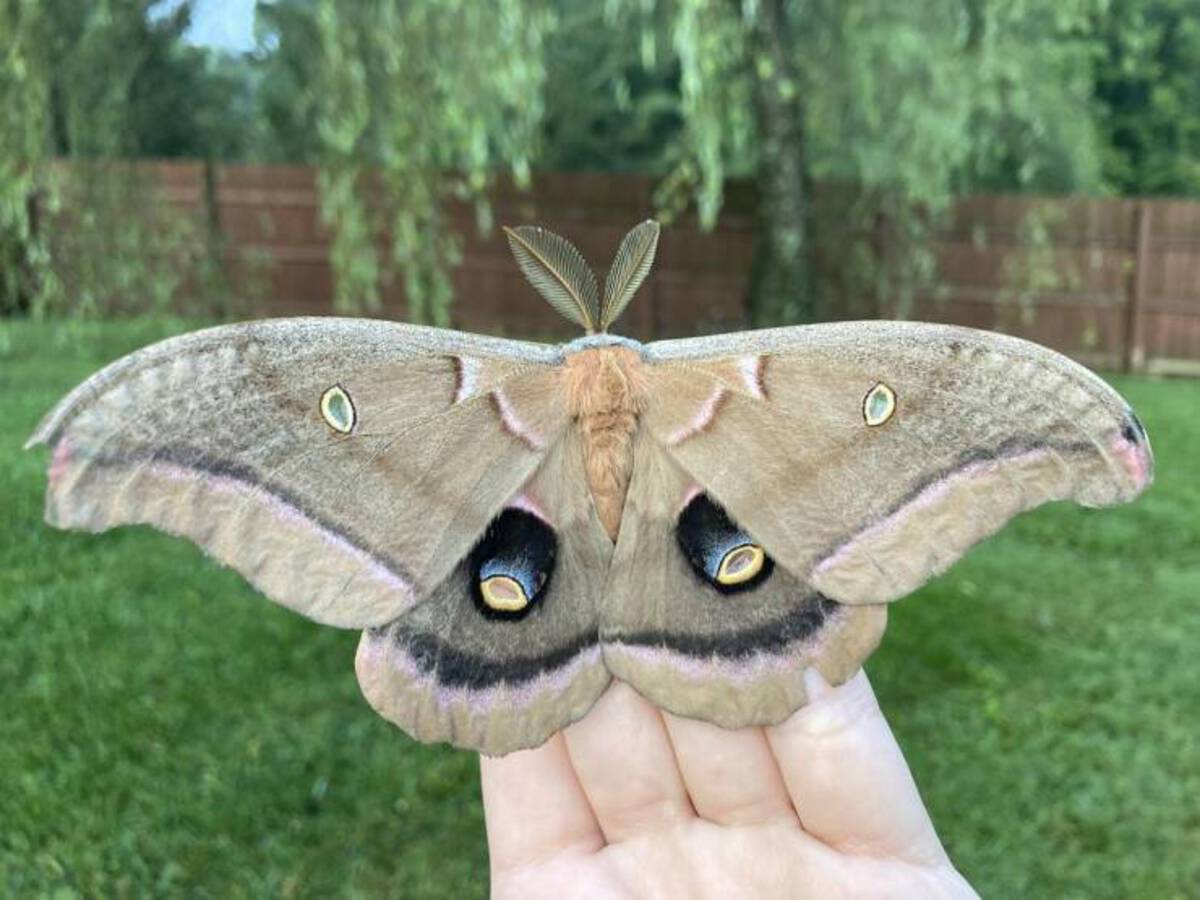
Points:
(741, 564)
(338, 410)
(879, 404)
(503, 594)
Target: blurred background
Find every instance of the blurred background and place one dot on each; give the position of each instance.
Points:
(1031, 167)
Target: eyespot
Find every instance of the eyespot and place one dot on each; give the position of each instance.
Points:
(879, 404)
(719, 551)
(741, 564)
(337, 409)
(503, 594)
(510, 567)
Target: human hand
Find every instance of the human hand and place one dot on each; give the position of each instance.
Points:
(634, 802)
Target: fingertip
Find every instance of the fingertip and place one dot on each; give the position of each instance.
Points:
(832, 709)
(847, 776)
(626, 765)
(730, 775)
(534, 806)
(815, 684)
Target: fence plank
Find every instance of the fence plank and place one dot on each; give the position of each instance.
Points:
(1134, 357)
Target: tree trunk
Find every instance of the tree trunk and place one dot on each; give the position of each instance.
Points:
(781, 287)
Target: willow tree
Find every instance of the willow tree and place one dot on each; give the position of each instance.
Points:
(1150, 96)
(907, 102)
(419, 102)
(25, 274)
(96, 84)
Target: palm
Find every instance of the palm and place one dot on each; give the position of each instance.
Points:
(631, 802)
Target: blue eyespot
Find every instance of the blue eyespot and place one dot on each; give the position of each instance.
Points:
(512, 564)
(720, 552)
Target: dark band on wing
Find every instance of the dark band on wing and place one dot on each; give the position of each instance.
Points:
(456, 668)
(196, 461)
(804, 621)
(1010, 448)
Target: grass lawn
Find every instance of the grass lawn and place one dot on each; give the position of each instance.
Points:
(165, 731)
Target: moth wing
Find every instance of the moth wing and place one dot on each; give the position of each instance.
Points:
(981, 426)
(733, 659)
(772, 427)
(446, 671)
(226, 436)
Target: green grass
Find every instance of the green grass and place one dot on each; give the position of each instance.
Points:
(166, 732)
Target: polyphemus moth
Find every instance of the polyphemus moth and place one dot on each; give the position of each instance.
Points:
(513, 525)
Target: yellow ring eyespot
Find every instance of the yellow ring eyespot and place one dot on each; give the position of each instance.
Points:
(503, 593)
(878, 405)
(337, 409)
(741, 564)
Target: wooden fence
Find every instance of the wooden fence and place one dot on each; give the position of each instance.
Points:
(1113, 282)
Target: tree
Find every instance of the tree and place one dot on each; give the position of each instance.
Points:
(1149, 95)
(906, 102)
(284, 70)
(611, 104)
(100, 82)
(408, 106)
(418, 103)
(124, 83)
(24, 142)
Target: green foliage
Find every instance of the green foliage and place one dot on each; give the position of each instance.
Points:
(716, 95)
(1032, 115)
(120, 249)
(168, 732)
(430, 98)
(125, 84)
(609, 103)
(1036, 267)
(1149, 95)
(283, 68)
(922, 99)
(411, 109)
(26, 277)
(97, 83)
(908, 103)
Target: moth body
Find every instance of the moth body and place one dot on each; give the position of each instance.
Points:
(606, 389)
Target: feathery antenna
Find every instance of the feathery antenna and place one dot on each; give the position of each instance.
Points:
(558, 271)
(630, 267)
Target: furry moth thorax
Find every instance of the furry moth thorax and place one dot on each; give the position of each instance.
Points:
(512, 525)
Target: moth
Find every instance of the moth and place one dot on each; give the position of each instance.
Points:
(513, 525)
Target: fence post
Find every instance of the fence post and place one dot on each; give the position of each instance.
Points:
(1135, 349)
(217, 278)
